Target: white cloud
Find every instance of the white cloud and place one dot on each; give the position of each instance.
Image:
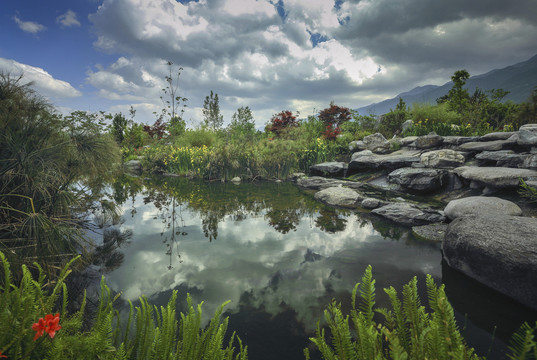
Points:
(68, 19)
(43, 82)
(29, 26)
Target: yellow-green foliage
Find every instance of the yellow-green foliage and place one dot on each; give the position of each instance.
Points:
(157, 333)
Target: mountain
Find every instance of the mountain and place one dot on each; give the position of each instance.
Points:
(519, 79)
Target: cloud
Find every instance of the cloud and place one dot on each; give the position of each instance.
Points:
(42, 81)
(29, 26)
(68, 19)
(250, 54)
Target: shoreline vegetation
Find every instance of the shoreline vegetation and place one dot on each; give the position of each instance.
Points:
(52, 172)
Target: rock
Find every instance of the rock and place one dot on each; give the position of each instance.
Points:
(409, 215)
(361, 161)
(333, 168)
(134, 166)
(339, 196)
(502, 158)
(356, 145)
(407, 140)
(530, 162)
(488, 145)
(236, 180)
(432, 232)
(377, 143)
(527, 135)
(499, 177)
(445, 158)
(497, 250)
(372, 203)
(480, 205)
(295, 176)
(497, 136)
(319, 183)
(406, 125)
(418, 179)
(459, 140)
(428, 141)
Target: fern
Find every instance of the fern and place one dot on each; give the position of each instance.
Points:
(523, 345)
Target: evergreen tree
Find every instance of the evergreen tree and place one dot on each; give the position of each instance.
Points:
(211, 112)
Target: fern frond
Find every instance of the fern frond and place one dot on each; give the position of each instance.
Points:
(522, 343)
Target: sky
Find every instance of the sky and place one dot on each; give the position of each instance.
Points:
(297, 55)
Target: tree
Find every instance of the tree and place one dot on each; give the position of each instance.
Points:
(392, 121)
(281, 122)
(172, 110)
(458, 97)
(242, 124)
(211, 112)
(119, 124)
(333, 117)
(527, 112)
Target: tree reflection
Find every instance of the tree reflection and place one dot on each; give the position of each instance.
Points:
(284, 220)
(330, 221)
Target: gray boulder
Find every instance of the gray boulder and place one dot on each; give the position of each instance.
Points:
(366, 160)
(498, 177)
(407, 140)
(339, 196)
(407, 125)
(502, 158)
(428, 141)
(377, 143)
(445, 158)
(319, 183)
(494, 145)
(329, 169)
(498, 251)
(432, 232)
(459, 140)
(418, 179)
(372, 203)
(527, 135)
(497, 136)
(409, 215)
(480, 205)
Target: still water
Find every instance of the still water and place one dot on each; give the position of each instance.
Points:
(280, 257)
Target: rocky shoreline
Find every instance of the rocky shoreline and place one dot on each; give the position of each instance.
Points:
(486, 237)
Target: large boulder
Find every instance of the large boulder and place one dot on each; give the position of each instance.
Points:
(459, 140)
(332, 168)
(377, 143)
(409, 215)
(497, 177)
(366, 160)
(445, 158)
(428, 141)
(503, 135)
(497, 250)
(133, 166)
(480, 205)
(502, 158)
(527, 135)
(418, 179)
(339, 196)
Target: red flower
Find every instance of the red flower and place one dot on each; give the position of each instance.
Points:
(2, 355)
(49, 325)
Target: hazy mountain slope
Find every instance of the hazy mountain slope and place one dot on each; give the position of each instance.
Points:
(520, 79)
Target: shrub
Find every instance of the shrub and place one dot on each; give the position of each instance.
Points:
(282, 122)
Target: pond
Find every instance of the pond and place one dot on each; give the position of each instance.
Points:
(280, 257)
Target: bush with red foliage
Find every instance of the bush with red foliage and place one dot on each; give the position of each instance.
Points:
(282, 121)
(158, 129)
(333, 117)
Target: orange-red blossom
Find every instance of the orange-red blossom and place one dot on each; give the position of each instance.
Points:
(50, 325)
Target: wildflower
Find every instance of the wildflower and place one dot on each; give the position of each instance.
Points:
(49, 325)
(2, 355)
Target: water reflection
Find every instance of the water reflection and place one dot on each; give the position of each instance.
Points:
(275, 252)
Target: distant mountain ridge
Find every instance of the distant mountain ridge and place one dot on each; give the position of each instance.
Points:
(519, 79)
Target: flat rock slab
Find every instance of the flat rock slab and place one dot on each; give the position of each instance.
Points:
(409, 215)
(498, 177)
(445, 158)
(499, 251)
(481, 205)
(319, 183)
(332, 168)
(366, 160)
(488, 145)
(432, 232)
(339, 196)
